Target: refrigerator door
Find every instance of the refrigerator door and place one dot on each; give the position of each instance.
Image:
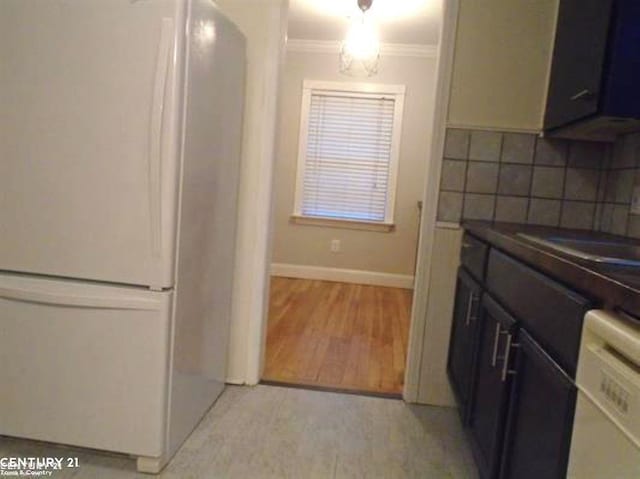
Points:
(88, 170)
(84, 364)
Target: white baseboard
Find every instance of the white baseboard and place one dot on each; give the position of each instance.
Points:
(234, 381)
(342, 275)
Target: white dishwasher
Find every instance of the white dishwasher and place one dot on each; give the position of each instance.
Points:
(606, 431)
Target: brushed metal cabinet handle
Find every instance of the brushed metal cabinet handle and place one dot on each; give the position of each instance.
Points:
(583, 95)
(507, 353)
(496, 340)
(472, 299)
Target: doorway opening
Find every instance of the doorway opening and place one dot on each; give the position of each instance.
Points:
(349, 177)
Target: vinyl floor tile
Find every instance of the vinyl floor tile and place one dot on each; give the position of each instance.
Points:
(273, 432)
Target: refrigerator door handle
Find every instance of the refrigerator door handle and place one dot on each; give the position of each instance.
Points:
(156, 139)
(79, 300)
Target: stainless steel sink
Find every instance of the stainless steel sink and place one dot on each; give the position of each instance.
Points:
(599, 251)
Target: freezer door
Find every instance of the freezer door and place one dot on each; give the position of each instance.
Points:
(88, 169)
(84, 365)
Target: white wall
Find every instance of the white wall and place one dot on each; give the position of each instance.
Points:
(381, 252)
(501, 65)
(434, 385)
(264, 24)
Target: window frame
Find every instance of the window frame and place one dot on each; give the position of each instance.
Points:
(364, 90)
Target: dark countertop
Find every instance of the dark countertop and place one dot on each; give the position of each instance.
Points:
(614, 286)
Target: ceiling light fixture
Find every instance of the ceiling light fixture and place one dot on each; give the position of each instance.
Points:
(360, 52)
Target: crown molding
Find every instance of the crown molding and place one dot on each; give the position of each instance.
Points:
(388, 49)
(409, 50)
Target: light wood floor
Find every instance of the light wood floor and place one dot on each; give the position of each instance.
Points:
(337, 335)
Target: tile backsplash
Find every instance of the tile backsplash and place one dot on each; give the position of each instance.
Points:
(621, 176)
(522, 178)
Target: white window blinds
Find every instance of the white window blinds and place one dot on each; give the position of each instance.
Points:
(348, 156)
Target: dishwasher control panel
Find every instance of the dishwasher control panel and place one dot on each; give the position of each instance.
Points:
(609, 369)
(614, 392)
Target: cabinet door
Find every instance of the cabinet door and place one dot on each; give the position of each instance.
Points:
(463, 339)
(578, 60)
(622, 72)
(540, 416)
(492, 386)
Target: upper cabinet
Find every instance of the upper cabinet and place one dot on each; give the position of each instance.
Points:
(595, 70)
(578, 60)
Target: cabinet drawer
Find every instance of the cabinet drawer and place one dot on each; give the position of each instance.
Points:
(473, 256)
(552, 313)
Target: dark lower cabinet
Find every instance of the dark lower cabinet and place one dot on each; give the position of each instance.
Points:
(463, 340)
(492, 387)
(512, 359)
(540, 417)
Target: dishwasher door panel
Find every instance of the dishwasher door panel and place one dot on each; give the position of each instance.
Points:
(606, 430)
(598, 448)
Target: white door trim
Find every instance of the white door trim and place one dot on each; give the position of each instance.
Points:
(444, 72)
(251, 275)
(273, 71)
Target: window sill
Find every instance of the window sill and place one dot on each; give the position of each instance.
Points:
(346, 224)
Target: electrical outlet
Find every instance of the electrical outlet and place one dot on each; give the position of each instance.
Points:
(635, 201)
(335, 246)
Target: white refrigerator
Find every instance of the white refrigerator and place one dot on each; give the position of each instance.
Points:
(120, 136)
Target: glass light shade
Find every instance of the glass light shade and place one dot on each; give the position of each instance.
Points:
(360, 52)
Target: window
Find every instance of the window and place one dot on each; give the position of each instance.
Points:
(348, 153)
